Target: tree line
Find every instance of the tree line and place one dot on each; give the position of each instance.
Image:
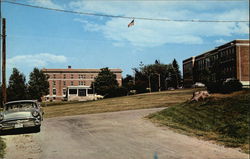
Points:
(154, 77)
(34, 89)
(146, 78)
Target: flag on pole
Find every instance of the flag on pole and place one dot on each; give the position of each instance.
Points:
(131, 23)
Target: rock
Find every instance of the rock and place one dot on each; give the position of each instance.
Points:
(200, 95)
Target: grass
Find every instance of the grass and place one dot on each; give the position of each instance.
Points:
(221, 118)
(2, 147)
(140, 101)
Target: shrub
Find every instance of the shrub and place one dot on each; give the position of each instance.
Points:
(231, 86)
(116, 92)
(227, 86)
(214, 87)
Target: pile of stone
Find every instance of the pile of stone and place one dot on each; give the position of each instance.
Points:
(200, 95)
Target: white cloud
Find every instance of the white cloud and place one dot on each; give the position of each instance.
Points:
(46, 3)
(220, 41)
(37, 60)
(154, 33)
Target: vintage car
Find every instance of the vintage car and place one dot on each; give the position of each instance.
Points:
(21, 114)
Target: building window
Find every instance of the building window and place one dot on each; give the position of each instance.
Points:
(54, 83)
(81, 76)
(64, 91)
(64, 76)
(54, 75)
(80, 83)
(71, 76)
(92, 76)
(72, 83)
(72, 91)
(54, 91)
(82, 92)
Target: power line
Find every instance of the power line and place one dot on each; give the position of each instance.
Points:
(127, 17)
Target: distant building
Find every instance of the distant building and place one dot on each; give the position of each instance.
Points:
(74, 83)
(231, 61)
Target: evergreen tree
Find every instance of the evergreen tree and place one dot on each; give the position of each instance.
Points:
(17, 89)
(105, 83)
(38, 84)
(128, 82)
(176, 74)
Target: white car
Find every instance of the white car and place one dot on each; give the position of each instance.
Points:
(21, 114)
(198, 85)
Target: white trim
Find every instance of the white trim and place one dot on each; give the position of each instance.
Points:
(71, 87)
(242, 44)
(60, 79)
(49, 96)
(245, 83)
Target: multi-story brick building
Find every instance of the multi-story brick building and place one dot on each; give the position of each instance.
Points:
(230, 60)
(73, 82)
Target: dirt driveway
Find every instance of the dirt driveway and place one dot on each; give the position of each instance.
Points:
(116, 135)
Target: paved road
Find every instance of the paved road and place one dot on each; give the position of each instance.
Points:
(116, 135)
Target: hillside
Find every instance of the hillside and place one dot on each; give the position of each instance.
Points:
(223, 118)
(140, 101)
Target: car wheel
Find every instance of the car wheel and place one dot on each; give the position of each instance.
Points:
(37, 128)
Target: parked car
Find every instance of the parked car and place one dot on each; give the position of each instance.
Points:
(21, 114)
(198, 85)
(171, 88)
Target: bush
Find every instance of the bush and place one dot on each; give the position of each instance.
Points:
(116, 92)
(224, 87)
(214, 87)
(231, 86)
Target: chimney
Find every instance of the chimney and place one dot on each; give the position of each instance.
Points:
(69, 67)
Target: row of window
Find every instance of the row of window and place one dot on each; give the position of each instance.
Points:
(81, 92)
(80, 83)
(80, 76)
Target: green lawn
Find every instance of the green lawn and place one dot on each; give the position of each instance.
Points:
(2, 147)
(140, 101)
(224, 119)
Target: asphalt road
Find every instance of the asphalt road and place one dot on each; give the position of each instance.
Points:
(116, 135)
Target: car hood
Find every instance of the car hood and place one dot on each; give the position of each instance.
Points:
(11, 115)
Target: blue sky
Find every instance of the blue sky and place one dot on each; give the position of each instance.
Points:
(50, 39)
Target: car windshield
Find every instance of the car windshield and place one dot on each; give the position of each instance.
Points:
(21, 105)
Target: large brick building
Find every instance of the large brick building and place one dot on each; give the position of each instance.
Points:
(230, 60)
(73, 82)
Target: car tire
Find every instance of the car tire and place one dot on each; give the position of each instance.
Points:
(37, 128)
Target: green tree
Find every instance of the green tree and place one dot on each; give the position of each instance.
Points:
(175, 74)
(17, 89)
(154, 74)
(38, 84)
(128, 82)
(105, 83)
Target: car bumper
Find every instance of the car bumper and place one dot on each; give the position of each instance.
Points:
(17, 124)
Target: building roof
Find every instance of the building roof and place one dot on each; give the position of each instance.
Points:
(70, 70)
(219, 47)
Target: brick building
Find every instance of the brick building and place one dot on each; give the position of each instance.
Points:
(74, 83)
(230, 60)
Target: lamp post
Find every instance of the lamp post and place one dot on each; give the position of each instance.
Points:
(159, 81)
(149, 83)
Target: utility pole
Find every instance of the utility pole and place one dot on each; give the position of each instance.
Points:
(159, 78)
(4, 95)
